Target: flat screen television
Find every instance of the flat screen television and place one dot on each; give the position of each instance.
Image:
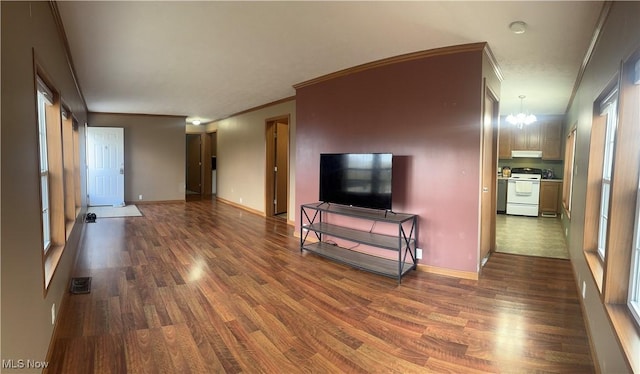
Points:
(356, 179)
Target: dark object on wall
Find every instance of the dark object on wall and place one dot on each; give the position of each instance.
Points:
(91, 218)
(80, 285)
(356, 179)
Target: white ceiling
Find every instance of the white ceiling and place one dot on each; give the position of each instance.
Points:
(213, 59)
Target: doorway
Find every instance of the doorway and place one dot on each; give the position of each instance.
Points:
(105, 166)
(211, 170)
(277, 167)
(489, 172)
(194, 165)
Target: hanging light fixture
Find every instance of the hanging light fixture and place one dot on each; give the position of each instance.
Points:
(521, 119)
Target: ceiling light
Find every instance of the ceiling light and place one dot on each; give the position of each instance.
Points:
(195, 120)
(521, 119)
(518, 27)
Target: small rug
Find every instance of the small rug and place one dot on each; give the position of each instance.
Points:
(112, 212)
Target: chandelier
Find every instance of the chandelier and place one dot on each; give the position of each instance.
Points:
(521, 119)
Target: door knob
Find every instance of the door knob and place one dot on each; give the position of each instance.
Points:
(121, 170)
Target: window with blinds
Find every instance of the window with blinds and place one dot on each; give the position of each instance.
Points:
(608, 109)
(569, 160)
(45, 99)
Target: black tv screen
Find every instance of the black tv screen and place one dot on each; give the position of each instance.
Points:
(357, 179)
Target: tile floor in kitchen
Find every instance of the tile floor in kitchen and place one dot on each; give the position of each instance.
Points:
(533, 236)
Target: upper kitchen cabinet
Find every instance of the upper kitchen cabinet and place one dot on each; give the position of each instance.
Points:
(504, 141)
(527, 138)
(552, 139)
(543, 135)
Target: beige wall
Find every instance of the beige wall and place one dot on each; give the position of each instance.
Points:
(241, 152)
(154, 153)
(620, 36)
(193, 129)
(28, 28)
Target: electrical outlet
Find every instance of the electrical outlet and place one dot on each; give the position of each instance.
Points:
(139, 197)
(419, 253)
(53, 314)
(584, 289)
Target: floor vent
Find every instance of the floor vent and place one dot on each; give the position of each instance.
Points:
(80, 285)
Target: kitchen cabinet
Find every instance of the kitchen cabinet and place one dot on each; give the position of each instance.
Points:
(552, 139)
(504, 141)
(544, 135)
(549, 197)
(527, 138)
(502, 195)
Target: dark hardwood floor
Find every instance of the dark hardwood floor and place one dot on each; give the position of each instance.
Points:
(204, 287)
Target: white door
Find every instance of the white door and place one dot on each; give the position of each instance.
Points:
(105, 165)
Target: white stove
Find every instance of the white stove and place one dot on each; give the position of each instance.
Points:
(523, 192)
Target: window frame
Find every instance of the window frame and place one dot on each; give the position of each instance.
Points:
(608, 109)
(633, 300)
(44, 99)
(569, 162)
(633, 297)
(618, 274)
(593, 234)
(57, 144)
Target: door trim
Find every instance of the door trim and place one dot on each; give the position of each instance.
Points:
(488, 93)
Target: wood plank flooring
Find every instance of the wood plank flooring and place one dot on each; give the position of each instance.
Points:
(204, 287)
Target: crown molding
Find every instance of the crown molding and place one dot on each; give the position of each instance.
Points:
(604, 14)
(67, 50)
(471, 47)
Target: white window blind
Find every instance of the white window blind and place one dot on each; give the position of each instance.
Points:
(45, 97)
(608, 109)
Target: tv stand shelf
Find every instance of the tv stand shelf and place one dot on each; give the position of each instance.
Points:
(314, 221)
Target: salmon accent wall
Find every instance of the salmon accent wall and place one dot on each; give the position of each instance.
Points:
(428, 113)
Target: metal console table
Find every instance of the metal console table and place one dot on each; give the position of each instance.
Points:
(314, 220)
